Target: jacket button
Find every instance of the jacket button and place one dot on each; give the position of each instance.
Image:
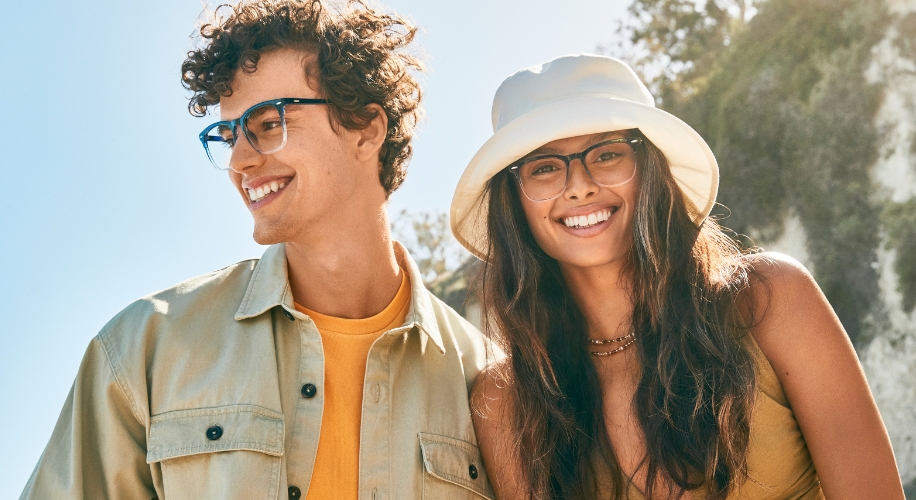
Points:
(472, 470)
(309, 390)
(294, 493)
(214, 433)
(288, 314)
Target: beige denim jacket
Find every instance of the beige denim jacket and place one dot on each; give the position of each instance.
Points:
(199, 392)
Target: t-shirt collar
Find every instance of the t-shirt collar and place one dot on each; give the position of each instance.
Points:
(268, 287)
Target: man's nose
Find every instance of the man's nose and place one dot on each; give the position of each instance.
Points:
(244, 156)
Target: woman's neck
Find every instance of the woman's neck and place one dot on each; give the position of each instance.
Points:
(604, 298)
(603, 295)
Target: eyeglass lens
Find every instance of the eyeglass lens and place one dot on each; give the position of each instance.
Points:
(264, 126)
(609, 165)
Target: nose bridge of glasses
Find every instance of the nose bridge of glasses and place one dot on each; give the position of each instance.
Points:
(239, 129)
(570, 170)
(243, 155)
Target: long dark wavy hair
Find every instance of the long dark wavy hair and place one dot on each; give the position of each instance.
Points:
(695, 394)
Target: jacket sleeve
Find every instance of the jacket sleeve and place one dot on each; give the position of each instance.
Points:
(98, 447)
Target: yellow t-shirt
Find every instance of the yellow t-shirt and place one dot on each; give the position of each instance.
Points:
(346, 344)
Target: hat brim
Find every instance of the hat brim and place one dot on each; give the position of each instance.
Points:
(692, 163)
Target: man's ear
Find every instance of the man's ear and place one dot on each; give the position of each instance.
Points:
(371, 138)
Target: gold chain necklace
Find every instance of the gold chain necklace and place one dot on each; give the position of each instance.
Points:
(629, 338)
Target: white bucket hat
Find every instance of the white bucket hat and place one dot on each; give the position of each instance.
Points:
(567, 97)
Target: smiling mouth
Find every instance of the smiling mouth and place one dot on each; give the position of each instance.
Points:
(589, 220)
(257, 194)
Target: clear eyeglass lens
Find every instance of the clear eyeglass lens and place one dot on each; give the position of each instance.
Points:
(264, 126)
(219, 153)
(219, 146)
(611, 164)
(543, 178)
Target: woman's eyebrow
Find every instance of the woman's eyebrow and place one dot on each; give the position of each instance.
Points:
(603, 137)
(609, 135)
(541, 151)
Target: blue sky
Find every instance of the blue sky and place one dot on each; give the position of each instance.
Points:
(108, 195)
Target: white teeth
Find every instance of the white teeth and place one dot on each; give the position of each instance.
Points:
(582, 221)
(258, 193)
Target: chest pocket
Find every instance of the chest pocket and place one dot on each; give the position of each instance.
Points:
(226, 452)
(453, 469)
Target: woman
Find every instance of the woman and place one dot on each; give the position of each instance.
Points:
(647, 356)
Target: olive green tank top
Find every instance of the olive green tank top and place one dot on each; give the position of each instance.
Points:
(778, 462)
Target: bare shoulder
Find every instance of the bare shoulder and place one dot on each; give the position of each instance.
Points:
(794, 324)
(491, 398)
(814, 360)
(494, 412)
(781, 288)
(792, 320)
(779, 269)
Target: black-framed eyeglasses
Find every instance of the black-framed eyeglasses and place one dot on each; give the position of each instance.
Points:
(263, 125)
(608, 163)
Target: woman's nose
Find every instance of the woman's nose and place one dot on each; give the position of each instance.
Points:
(579, 185)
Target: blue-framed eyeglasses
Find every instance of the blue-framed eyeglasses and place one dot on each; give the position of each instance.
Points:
(608, 163)
(263, 125)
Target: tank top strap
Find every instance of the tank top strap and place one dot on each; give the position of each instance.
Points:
(767, 381)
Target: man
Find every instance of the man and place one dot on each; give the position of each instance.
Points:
(324, 369)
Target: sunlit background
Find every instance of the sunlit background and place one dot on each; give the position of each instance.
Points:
(109, 196)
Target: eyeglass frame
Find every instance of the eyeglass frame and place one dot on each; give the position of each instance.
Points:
(514, 167)
(239, 123)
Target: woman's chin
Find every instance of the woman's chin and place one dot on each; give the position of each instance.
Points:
(594, 253)
(586, 259)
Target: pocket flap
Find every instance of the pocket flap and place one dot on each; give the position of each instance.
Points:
(455, 461)
(206, 430)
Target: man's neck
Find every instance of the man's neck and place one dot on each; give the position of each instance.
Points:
(353, 273)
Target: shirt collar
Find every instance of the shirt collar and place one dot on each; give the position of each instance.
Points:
(268, 287)
(421, 313)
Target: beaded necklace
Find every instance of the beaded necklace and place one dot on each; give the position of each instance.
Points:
(628, 338)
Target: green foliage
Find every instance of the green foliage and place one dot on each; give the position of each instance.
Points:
(453, 286)
(786, 108)
(909, 490)
(900, 222)
(907, 41)
(681, 41)
(427, 237)
(447, 268)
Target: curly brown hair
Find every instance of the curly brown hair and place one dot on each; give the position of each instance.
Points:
(360, 60)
